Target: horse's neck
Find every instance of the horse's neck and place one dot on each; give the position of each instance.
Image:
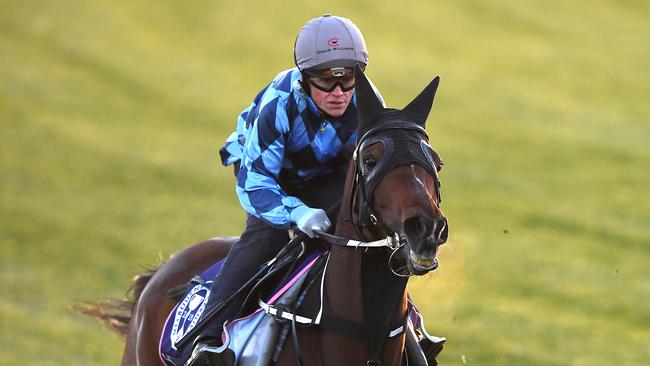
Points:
(343, 274)
(344, 292)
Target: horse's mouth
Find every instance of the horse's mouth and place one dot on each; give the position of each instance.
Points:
(423, 264)
(419, 261)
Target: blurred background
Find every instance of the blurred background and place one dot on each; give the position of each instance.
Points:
(112, 113)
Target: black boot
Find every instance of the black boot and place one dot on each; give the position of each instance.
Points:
(209, 351)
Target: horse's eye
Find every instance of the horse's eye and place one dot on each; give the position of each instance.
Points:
(369, 162)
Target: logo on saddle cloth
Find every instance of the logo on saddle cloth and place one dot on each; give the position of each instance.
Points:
(188, 312)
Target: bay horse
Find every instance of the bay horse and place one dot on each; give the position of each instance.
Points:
(392, 192)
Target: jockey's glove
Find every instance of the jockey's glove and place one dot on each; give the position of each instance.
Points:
(309, 219)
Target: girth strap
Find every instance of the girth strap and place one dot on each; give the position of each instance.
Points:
(280, 313)
(328, 320)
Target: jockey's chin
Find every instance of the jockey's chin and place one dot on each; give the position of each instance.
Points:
(333, 103)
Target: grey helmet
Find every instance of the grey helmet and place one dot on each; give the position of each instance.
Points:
(330, 41)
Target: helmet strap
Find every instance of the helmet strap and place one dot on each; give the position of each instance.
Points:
(305, 83)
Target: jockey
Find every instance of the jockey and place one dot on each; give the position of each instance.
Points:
(290, 154)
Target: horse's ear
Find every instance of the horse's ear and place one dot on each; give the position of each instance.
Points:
(420, 107)
(368, 104)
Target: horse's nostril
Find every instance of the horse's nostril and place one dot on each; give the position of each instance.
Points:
(417, 226)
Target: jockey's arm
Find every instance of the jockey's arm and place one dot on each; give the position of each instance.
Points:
(263, 155)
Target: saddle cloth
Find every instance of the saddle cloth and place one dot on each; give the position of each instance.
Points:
(246, 336)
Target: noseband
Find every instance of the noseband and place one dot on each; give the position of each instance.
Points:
(405, 143)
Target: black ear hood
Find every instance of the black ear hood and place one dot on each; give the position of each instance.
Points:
(420, 107)
(370, 108)
(402, 133)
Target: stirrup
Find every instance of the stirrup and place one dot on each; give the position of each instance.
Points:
(205, 354)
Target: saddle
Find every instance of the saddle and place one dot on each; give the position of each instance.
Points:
(268, 314)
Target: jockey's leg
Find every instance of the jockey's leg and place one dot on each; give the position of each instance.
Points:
(259, 242)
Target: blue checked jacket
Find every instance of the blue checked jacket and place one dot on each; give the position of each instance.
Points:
(282, 133)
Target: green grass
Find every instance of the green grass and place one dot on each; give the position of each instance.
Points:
(111, 115)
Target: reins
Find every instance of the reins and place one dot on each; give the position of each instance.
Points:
(394, 243)
(391, 242)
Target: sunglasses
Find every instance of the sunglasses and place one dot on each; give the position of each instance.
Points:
(327, 80)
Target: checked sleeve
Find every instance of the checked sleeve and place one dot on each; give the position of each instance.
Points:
(263, 154)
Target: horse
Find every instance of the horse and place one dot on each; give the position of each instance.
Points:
(391, 195)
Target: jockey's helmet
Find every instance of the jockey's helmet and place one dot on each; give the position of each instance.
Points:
(330, 41)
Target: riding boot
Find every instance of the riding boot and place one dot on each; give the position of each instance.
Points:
(258, 243)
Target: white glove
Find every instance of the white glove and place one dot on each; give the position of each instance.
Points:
(309, 219)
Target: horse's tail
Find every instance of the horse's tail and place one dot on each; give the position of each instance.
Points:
(117, 313)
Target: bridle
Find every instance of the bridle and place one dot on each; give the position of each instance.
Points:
(404, 143)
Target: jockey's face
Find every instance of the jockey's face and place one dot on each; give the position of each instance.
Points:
(334, 102)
